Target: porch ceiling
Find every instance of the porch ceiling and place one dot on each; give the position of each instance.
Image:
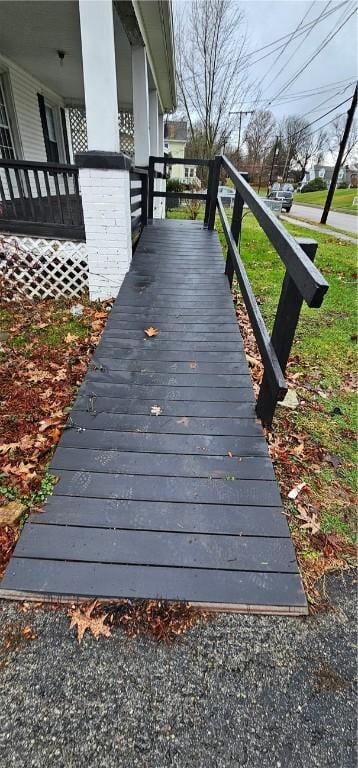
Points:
(31, 33)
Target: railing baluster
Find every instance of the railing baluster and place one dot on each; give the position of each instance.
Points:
(214, 191)
(67, 196)
(11, 191)
(283, 333)
(29, 194)
(208, 193)
(20, 188)
(144, 199)
(236, 233)
(39, 194)
(58, 197)
(151, 187)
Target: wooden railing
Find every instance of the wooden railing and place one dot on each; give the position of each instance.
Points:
(155, 174)
(302, 281)
(40, 199)
(139, 201)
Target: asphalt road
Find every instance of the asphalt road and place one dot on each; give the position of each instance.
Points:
(346, 221)
(240, 692)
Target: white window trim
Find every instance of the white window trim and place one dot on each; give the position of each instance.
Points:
(11, 112)
(58, 128)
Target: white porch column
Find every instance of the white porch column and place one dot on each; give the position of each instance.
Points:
(140, 106)
(104, 173)
(99, 74)
(153, 135)
(153, 121)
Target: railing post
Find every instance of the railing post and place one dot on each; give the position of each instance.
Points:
(283, 333)
(236, 233)
(213, 192)
(150, 187)
(144, 213)
(207, 203)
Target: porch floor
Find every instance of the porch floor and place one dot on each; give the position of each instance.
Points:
(165, 489)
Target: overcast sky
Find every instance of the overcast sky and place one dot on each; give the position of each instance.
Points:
(268, 20)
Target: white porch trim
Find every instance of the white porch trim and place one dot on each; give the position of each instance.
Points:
(105, 186)
(99, 74)
(140, 106)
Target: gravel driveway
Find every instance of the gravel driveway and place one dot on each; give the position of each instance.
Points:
(240, 691)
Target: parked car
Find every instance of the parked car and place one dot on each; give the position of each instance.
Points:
(283, 193)
(227, 195)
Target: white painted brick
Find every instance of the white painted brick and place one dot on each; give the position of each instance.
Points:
(106, 211)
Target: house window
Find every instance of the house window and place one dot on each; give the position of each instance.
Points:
(6, 141)
(186, 172)
(52, 145)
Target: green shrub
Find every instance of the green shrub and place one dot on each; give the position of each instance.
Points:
(174, 185)
(342, 185)
(314, 185)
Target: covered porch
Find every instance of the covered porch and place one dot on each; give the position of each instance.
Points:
(83, 90)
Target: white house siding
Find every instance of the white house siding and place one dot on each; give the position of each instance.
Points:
(24, 90)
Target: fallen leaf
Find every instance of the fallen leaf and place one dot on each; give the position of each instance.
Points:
(253, 360)
(151, 331)
(155, 410)
(82, 619)
(296, 490)
(290, 401)
(11, 513)
(71, 337)
(193, 365)
(28, 633)
(311, 522)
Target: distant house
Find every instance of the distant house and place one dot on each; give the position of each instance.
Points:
(175, 139)
(346, 174)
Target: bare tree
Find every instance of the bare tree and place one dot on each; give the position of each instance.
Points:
(335, 138)
(211, 70)
(299, 145)
(259, 137)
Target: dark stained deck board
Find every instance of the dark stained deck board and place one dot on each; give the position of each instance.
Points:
(163, 516)
(181, 550)
(259, 592)
(181, 505)
(166, 464)
(184, 408)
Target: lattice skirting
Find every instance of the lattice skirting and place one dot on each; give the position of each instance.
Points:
(42, 268)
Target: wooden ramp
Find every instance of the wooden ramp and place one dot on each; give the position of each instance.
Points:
(165, 486)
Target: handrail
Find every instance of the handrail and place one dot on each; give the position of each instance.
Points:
(302, 281)
(306, 276)
(34, 165)
(269, 358)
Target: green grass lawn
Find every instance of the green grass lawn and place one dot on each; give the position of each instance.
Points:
(342, 199)
(322, 369)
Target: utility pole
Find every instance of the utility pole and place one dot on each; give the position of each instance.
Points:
(273, 163)
(332, 186)
(241, 112)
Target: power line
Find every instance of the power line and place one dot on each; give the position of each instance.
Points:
(303, 29)
(318, 50)
(300, 44)
(285, 46)
(304, 128)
